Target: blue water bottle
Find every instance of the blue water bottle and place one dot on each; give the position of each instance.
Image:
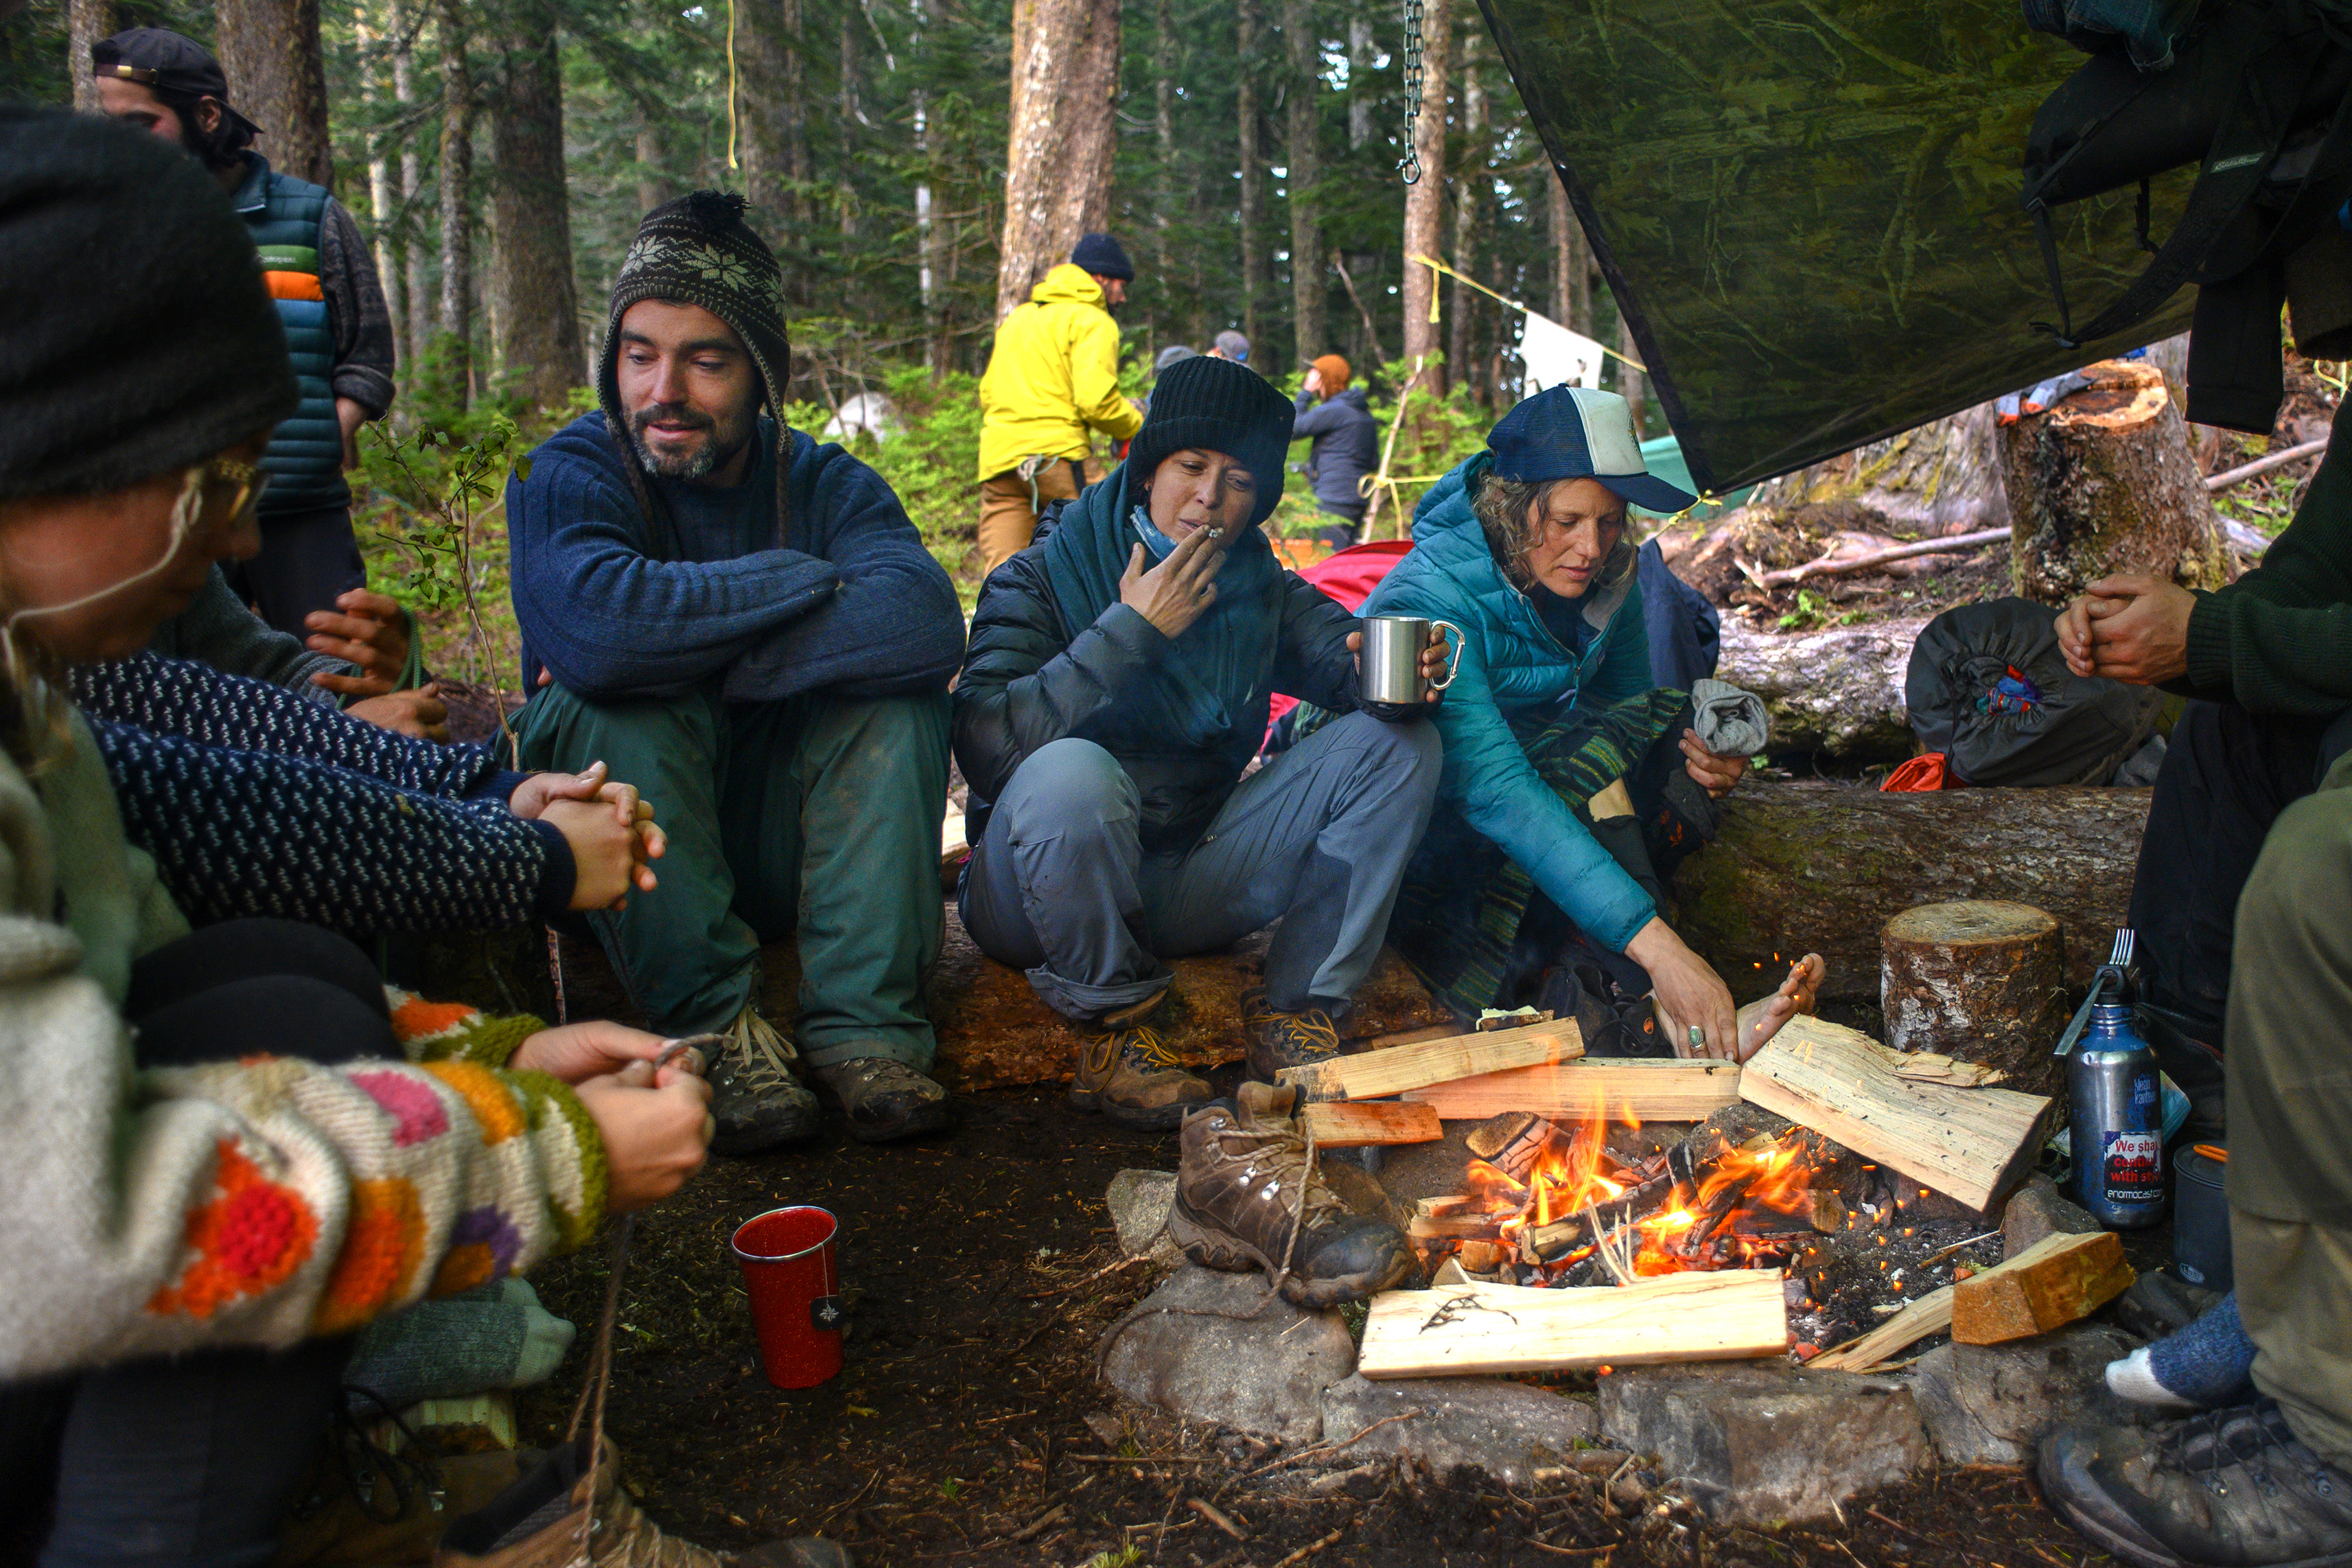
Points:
(2116, 1133)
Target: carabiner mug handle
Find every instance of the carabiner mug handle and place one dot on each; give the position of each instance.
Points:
(1454, 664)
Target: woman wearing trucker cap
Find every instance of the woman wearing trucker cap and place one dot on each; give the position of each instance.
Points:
(1571, 786)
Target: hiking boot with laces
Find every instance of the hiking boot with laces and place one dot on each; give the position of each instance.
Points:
(1276, 1041)
(1127, 1072)
(884, 1099)
(1247, 1198)
(755, 1101)
(2233, 1487)
(555, 1518)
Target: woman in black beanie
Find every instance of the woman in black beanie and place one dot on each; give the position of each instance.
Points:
(1116, 688)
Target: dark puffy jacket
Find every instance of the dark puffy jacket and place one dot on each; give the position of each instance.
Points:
(1347, 446)
(1029, 679)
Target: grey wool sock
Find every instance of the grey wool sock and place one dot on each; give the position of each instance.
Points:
(495, 1337)
(2204, 1366)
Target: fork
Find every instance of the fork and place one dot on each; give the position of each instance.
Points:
(2119, 959)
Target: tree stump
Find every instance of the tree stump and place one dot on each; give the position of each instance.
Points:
(1981, 981)
(2105, 482)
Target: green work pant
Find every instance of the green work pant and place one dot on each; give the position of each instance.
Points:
(2290, 1087)
(816, 814)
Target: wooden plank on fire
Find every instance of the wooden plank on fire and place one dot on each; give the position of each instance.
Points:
(1375, 1074)
(1638, 1090)
(1732, 1315)
(1362, 1123)
(1972, 1145)
(2057, 1281)
(1477, 1226)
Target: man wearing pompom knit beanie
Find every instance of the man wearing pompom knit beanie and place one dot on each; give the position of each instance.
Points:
(745, 624)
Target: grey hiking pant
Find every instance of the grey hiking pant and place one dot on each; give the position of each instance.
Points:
(1060, 885)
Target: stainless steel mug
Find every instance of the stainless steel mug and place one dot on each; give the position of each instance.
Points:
(1390, 659)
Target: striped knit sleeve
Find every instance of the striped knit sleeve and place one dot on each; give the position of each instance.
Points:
(197, 702)
(238, 833)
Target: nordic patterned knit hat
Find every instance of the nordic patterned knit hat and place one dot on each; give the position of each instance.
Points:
(698, 250)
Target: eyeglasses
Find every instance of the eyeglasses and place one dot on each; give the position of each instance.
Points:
(231, 490)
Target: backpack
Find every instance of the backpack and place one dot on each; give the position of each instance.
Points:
(1988, 688)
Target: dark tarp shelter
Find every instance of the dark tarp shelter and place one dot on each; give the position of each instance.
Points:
(1809, 212)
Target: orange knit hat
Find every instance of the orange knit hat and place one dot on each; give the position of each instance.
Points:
(1336, 375)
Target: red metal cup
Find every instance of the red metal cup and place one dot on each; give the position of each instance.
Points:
(794, 1280)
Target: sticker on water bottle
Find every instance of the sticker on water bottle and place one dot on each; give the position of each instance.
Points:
(2135, 1166)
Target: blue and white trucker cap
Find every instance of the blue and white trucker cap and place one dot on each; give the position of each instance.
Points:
(1581, 432)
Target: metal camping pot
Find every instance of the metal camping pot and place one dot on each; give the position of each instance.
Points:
(2200, 1217)
(1391, 660)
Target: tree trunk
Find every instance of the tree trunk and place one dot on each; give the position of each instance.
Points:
(1058, 152)
(270, 53)
(654, 185)
(772, 124)
(929, 249)
(1469, 214)
(1820, 868)
(1631, 383)
(533, 302)
(1306, 127)
(1257, 277)
(1939, 478)
(87, 21)
(850, 112)
(417, 288)
(1424, 200)
(2105, 482)
(1166, 62)
(381, 207)
(457, 174)
(1572, 264)
(1981, 981)
(1361, 53)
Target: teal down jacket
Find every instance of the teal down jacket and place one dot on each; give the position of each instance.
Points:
(1513, 665)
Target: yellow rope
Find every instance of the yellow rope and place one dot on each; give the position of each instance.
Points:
(730, 85)
(1437, 266)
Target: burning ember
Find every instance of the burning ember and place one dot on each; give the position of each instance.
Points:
(1599, 1201)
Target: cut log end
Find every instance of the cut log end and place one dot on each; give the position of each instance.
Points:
(1981, 981)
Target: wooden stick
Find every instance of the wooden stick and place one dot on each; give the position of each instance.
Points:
(1731, 1315)
(1376, 1074)
(2263, 465)
(1930, 1314)
(2057, 1281)
(1456, 1227)
(1831, 566)
(1638, 1090)
(1364, 1123)
(1972, 1145)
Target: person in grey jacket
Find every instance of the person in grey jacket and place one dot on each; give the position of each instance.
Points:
(1346, 445)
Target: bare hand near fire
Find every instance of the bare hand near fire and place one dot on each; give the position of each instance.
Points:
(1435, 660)
(1689, 994)
(1761, 1020)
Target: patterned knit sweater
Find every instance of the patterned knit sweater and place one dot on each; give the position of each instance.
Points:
(253, 800)
(252, 1203)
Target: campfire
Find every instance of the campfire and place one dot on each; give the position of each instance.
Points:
(1601, 1199)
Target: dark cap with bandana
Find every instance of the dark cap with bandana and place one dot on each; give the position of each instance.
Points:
(698, 250)
(167, 61)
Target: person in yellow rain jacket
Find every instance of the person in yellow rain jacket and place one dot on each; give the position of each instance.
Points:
(1054, 376)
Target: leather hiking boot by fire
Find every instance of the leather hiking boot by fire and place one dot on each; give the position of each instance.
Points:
(1276, 1041)
(884, 1100)
(755, 1101)
(1127, 1072)
(2233, 1487)
(1247, 1199)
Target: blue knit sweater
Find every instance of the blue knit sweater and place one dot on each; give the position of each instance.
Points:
(617, 603)
(255, 800)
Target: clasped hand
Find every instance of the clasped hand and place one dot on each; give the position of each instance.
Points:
(610, 830)
(2128, 628)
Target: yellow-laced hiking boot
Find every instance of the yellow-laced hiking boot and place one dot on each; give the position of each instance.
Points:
(1127, 1071)
(1276, 1041)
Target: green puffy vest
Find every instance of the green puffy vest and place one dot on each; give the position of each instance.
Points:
(305, 459)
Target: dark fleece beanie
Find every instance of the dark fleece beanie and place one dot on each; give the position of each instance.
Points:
(140, 337)
(1215, 405)
(1101, 255)
(698, 250)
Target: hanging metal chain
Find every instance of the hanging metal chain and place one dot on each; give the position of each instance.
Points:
(1409, 167)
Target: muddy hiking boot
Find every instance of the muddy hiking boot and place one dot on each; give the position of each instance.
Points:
(1127, 1071)
(2231, 1487)
(1276, 1040)
(755, 1101)
(883, 1099)
(552, 1518)
(1247, 1199)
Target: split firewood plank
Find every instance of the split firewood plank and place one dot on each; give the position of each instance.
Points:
(1477, 1227)
(1930, 1314)
(1641, 1090)
(1972, 1145)
(1376, 1074)
(1362, 1123)
(2059, 1280)
(1731, 1315)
